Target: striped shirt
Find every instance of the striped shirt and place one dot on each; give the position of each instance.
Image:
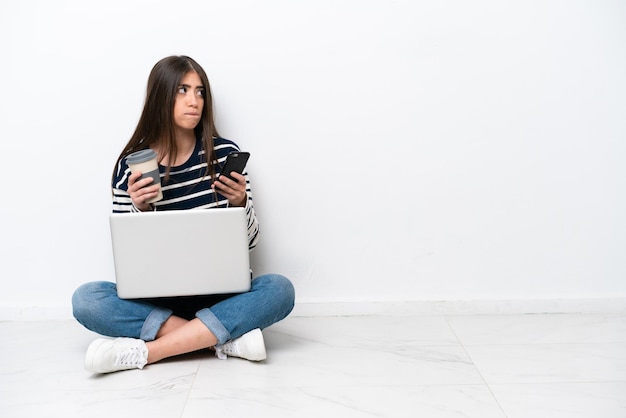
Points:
(187, 187)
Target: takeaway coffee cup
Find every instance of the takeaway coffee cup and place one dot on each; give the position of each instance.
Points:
(146, 162)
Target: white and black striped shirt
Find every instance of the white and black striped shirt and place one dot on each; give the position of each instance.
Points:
(188, 187)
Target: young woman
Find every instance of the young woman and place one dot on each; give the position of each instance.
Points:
(177, 123)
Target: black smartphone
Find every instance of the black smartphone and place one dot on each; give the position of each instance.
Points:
(235, 161)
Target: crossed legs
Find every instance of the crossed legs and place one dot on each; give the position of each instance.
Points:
(179, 336)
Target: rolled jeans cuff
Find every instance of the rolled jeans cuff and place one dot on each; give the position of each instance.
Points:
(214, 325)
(154, 322)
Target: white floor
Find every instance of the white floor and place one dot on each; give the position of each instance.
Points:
(363, 366)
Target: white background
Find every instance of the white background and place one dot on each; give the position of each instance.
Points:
(401, 150)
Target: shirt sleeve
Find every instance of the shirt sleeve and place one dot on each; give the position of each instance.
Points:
(253, 222)
(122, 203)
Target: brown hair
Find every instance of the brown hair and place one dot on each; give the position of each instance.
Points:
(157, 121)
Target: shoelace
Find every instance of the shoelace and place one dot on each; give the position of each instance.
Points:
(219, 353)
(130, 357)
(230, 348)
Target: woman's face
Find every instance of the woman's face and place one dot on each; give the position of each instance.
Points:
(189, 102)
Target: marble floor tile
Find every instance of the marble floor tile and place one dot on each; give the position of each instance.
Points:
(563, 400)
(371, 331)
(550, 363)
(51, 355)
(324, 364)
(438, 401)
(51, 403)
(437, 365)
(353, 366)
(539, 329)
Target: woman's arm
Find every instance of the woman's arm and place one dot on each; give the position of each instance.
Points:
(253, 223)
(130, 195)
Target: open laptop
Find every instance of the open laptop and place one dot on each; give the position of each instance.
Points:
(180, 252)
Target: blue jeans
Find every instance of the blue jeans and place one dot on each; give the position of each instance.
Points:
(97, 307)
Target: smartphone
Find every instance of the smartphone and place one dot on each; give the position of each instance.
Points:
(235, 161)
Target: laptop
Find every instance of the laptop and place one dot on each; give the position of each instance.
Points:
(180, 253)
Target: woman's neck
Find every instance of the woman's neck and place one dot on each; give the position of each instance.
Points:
(185, 144)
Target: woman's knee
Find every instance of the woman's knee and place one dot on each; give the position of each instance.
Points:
(86, 298)
(280, 286)
(275, 281)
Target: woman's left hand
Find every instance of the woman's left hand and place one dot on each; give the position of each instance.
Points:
(234, 191)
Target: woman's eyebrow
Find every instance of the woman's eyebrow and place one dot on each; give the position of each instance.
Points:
(187, 86)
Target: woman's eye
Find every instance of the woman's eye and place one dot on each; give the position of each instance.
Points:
(182, 89)
(200, 93)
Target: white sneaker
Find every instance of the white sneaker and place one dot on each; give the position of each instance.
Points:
(249, 346)
(106, 355)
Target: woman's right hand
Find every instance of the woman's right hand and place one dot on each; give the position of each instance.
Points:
(140, 192)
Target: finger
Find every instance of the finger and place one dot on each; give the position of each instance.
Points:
(222, 188)
(144, 194)
(149, 194)
(228, 191)
(141, 184)
(232, 182)
(238, 186)
(133, 178)
(224, 181)
(239, 179)
(145, 182)
(223, 184)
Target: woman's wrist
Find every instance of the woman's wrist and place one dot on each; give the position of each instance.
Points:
(244, 202)
(148, 207)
